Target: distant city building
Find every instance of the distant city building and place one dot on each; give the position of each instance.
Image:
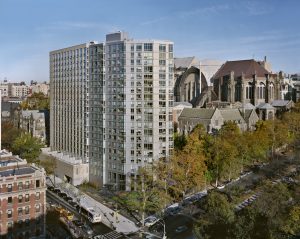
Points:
(20, 90)
(4, 88)
(39, 88)
(22, 197)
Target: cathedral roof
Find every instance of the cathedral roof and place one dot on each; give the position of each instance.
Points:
(246, 67)
(197, 113)
(231, 114)
(184, 62)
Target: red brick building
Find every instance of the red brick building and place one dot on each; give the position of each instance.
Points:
(22, 198)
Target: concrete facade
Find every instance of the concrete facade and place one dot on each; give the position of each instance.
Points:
(139, 77)
(111, 106)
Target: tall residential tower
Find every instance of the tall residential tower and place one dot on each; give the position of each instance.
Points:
(138, 110)
(111, 105)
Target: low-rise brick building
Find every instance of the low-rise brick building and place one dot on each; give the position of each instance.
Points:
(22, 198)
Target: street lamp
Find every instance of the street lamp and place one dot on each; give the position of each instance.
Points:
(164, 225)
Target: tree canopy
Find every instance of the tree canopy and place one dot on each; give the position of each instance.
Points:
(27, 147)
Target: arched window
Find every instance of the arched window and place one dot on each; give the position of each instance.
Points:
(249, 91)
(261, 91)
(271, 91)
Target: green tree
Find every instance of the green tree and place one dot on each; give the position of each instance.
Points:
(27, 147)
(146, 198)
(48, 163)
(188, 165)
(9, 134)
(179, 141)
(37, 101)
(218, 217)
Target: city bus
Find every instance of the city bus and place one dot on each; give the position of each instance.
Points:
(91, 214)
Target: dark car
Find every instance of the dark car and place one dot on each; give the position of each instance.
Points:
(181, 229)
(62, 194)
(78, 223)
(50, 188)
(56, 190)
(68, 199)
(73, 204)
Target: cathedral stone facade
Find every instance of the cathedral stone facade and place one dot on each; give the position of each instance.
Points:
(246, 81)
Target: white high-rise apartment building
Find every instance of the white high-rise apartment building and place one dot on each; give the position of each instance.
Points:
(69, 109)
(138, 105)
(112, 105)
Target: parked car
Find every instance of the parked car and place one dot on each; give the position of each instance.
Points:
(78, 223)
(87, 229)
(73, 204)
(56, 190)
(68, 198)
(50, 188)
(221, 186)
(62, 194)
(181, 229)
(151, 220)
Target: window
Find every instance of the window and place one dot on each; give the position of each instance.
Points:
(20, 185)
(148, 69)
(37, 196)
(9, 213)
(139, 47)
(9, 200)
(148, 47)
(26, 197)
(9, 225)
(162, 48)
(20, 198)
(162, 62)
(170, 48)
(27, 184)
(37, 183)
(37, 208)
(20, 211)
(27, 210)
(9, 187)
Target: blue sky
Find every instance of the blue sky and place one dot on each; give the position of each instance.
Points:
(211, 29)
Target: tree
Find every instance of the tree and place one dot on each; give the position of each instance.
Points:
(147, 196)
(48, 163)
(292, 223)
(179, 141)
(218, 217)
(188, 165)
(27, 147)
(37, 101)
(9, 134)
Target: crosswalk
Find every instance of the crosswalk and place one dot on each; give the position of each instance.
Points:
(110, 235)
